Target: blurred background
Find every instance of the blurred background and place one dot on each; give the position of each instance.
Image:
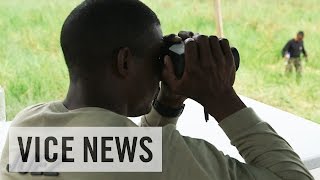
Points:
(32, 68)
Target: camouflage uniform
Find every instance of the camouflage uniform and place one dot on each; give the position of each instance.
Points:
(296, 62)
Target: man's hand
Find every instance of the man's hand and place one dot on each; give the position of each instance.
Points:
(208, 76)
(287, 56)
(166, 96)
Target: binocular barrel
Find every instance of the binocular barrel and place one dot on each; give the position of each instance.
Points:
(176, 53)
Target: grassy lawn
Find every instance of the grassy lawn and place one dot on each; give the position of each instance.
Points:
(32, 68)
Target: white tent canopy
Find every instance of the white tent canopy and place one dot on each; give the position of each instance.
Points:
(300, 133)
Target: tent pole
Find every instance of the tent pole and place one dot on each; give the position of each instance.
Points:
(218, 13)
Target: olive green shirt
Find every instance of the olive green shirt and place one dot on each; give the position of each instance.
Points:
(267, 155)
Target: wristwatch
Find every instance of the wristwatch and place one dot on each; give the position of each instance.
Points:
(166, 111)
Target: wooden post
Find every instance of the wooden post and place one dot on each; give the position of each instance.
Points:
(218, 13)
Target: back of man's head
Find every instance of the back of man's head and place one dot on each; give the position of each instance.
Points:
(96, 29)
(300, 33)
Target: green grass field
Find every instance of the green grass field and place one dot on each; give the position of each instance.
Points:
(32, 68)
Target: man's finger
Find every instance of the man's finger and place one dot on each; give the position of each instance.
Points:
(172, 39)
(205, 54)
(168, 75)
(224, 43)
(216, 51)
(191, 54)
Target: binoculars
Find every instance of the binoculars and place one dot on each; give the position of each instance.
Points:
(176, 53)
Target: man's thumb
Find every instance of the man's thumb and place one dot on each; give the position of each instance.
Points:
(168, 75)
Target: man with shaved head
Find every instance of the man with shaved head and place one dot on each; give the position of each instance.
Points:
(112, 50)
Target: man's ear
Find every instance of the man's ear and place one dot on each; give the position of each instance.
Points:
(123, 62)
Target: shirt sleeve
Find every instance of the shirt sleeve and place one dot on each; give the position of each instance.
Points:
(261, 146)
(286, 48)
(153, 118)
(267, 155)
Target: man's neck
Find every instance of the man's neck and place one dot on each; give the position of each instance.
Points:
(79, 97)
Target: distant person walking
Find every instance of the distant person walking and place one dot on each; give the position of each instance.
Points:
(292, 54)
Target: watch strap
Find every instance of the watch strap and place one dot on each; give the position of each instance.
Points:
(166, 111)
